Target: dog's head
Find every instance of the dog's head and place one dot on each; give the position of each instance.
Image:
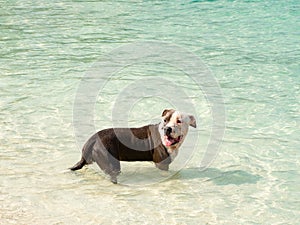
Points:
(174, 127)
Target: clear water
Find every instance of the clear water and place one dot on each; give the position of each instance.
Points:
(251, 47)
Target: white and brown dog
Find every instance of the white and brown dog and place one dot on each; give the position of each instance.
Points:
(158, 143)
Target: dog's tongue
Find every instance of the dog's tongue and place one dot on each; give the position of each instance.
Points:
(169, 141)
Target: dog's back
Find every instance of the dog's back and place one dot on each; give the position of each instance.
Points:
(109, 146)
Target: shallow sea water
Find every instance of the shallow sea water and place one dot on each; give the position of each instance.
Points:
(251, 48)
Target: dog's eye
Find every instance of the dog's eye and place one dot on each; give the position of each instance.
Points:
(165, 120)
(178, 121)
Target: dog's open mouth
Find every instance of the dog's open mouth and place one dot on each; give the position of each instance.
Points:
(168, 140)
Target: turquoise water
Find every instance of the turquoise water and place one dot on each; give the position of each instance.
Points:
(251, 48)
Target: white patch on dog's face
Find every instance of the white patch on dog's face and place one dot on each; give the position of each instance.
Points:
(174, 128)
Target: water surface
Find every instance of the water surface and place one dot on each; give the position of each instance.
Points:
(252, 48)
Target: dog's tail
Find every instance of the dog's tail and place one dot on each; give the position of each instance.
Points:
(79, 165)
(87, 153)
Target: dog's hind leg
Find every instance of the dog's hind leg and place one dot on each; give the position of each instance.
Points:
(109, 164)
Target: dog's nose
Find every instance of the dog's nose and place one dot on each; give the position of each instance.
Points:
(168, 130)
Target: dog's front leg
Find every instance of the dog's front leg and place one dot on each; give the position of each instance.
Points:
(162, 166)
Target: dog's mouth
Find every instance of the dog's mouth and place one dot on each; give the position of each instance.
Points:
(169, 141)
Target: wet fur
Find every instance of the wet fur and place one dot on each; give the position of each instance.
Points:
(142, 144)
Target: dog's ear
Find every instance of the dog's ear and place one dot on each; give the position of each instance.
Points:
(166, 111)
(192, 121)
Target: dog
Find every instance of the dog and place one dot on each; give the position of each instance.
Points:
(155, 142)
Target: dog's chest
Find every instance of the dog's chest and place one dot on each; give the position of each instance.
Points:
(173, 153)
